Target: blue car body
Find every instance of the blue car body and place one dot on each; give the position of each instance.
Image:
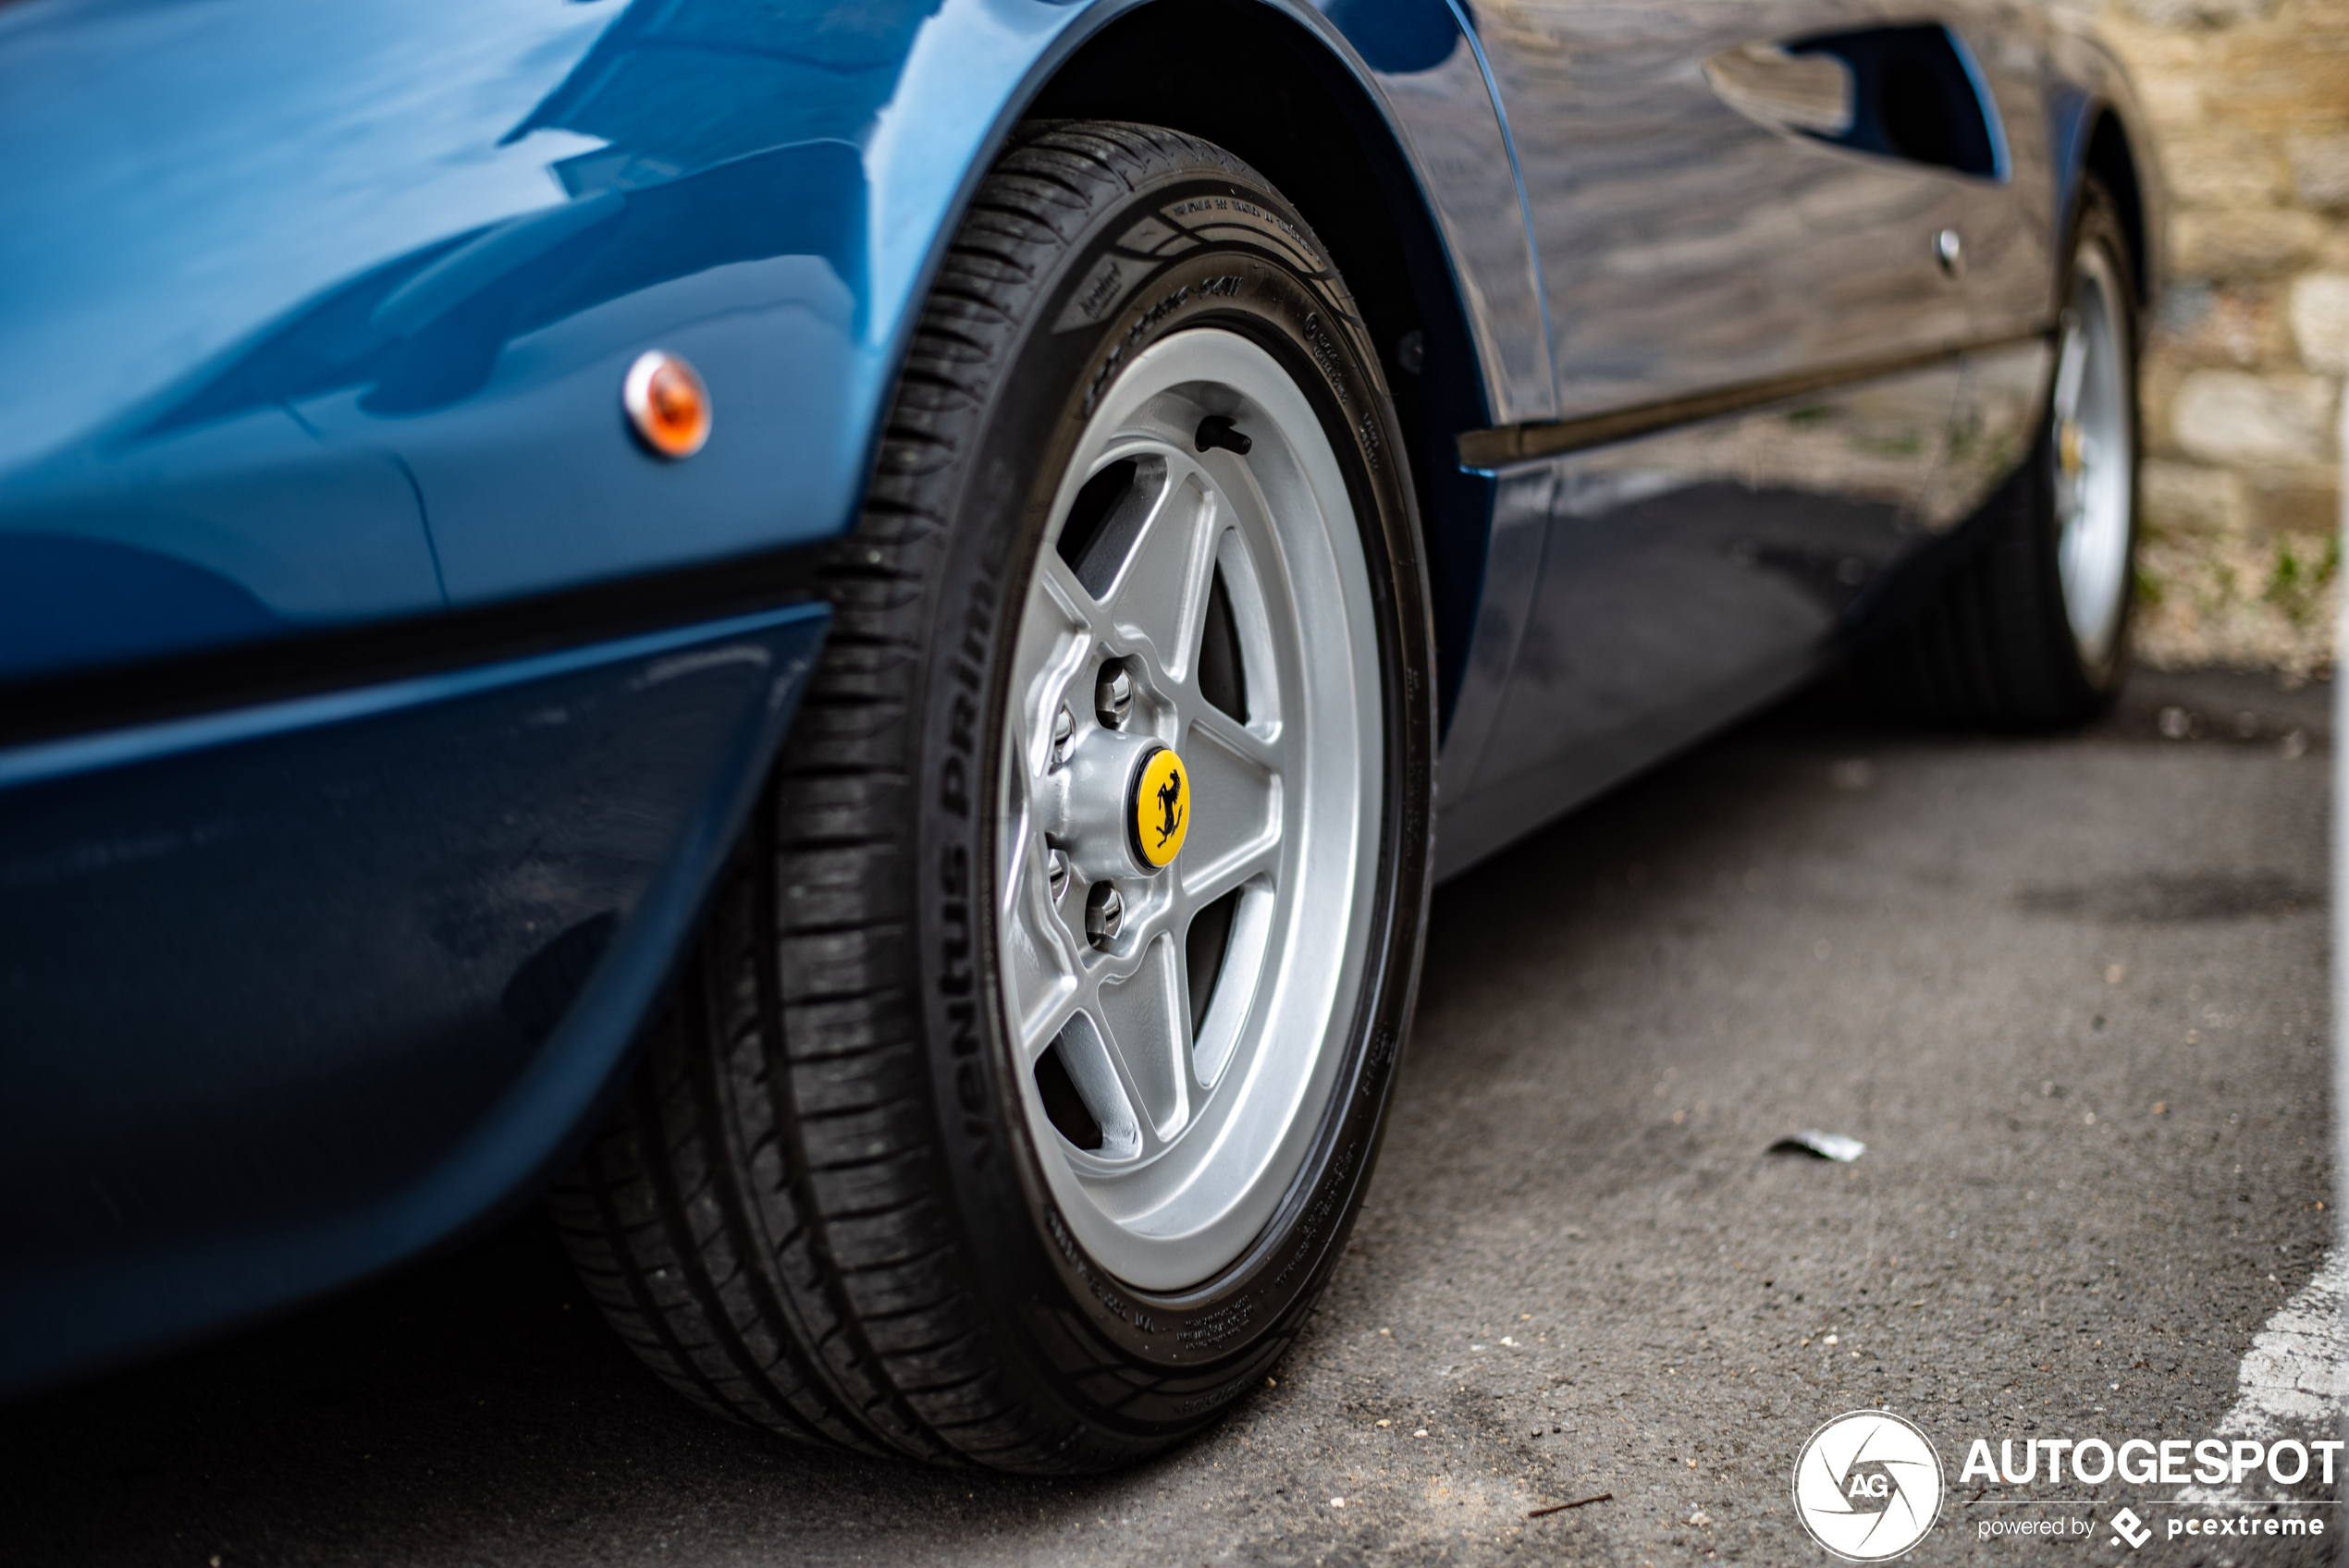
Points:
(374, 712)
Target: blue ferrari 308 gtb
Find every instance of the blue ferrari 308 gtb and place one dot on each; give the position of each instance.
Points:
(845, 638)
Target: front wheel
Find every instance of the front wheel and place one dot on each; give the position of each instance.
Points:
(1024, 1085)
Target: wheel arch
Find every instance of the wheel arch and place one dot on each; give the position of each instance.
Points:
(1289, 101)
(2110, 159)
(2100, 129)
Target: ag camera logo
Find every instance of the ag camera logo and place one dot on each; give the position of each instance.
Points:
(1867, 1486)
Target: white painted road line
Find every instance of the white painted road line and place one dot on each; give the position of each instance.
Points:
(2295, 1374)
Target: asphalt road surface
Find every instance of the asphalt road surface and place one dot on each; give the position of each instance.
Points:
(2069, 994)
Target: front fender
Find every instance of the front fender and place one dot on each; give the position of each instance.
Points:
(2091, 83)
(402, 258)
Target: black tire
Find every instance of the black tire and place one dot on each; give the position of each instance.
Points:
(819, 1207)
(1993, 647)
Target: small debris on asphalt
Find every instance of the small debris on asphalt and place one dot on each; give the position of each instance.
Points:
(1337, 1502)
(1562, 1507)
(1826, 1146)
(1700, 1519)
(1421, 1433)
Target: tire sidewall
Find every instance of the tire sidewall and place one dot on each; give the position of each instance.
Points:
(1055, 1310)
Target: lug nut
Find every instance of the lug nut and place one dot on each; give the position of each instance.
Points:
(1104, 912)
(1114, 696)
(1062, 727)
(1056, 871)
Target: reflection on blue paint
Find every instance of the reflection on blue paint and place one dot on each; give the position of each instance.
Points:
(65, 601)
(335, 312)
(1398, 37)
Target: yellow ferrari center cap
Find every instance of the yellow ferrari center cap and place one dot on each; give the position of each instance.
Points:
(1161, 807)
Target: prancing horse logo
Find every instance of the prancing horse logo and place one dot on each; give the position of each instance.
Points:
(1170, 807)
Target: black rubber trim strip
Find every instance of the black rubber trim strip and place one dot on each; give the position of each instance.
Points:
(301, 664)
(1531, 442)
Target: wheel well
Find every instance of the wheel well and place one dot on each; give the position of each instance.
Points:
(2109, 160)
(1256, 84)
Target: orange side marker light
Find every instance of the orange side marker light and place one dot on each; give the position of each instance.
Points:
(668, 406)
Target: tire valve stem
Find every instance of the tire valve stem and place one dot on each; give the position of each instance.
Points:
(1217, 430)
(1104, 912)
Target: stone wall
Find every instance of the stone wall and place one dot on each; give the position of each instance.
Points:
(2249, 105)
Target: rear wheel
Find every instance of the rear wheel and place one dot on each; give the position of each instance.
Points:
(1021, 1091)
(2031, 631)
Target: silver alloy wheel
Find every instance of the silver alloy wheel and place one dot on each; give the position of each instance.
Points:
(1227, 538)
(2095, 463)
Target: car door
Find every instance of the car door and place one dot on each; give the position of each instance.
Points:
(1753, 223)
(1724, 194)
(2013, 238)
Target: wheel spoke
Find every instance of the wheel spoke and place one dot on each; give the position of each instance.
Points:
(1056, 583)
(1263, 747)
(1041, 981)
(1206, 880)
(1058, 635)
(1235, 796)
(1042, 1024)
(1144, 1022)
(1159, 600)
(1100, 1082)
(1236, 981)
